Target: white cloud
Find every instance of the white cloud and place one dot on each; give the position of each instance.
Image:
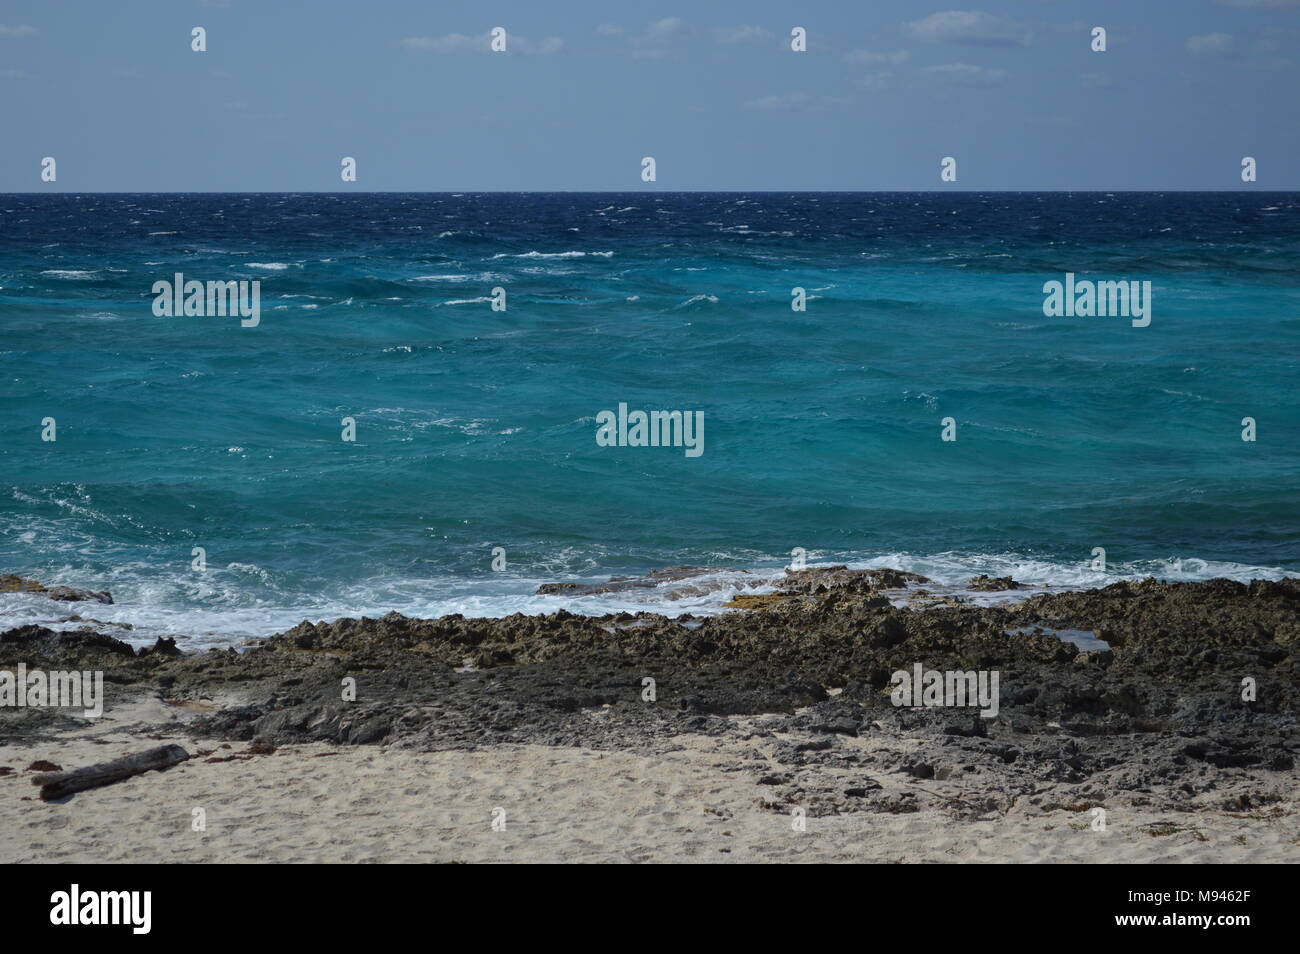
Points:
(1211, 44)
(969, 28)
(21, 29)
(1278, 40)
(866, 56)
(663, 30)
(793, 101)
(652, 42)
(741, 34)
(964, 74)
(451, 43)
(544, 47)
(1260, 4)
(460, 43)
(877, 81)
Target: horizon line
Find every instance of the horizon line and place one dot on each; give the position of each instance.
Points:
(66, 192)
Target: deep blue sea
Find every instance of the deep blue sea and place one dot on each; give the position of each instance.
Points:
(476, 428)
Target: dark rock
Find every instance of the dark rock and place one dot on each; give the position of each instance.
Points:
(1160, 714)
(992, 583)
(165, 646)
(10, 583)
(969, 726)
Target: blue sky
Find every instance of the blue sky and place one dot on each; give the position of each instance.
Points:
(712, 90)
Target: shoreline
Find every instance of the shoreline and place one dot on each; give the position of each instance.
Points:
(140, 611)
(777, 709)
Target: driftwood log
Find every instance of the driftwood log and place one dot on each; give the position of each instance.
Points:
(58, 784)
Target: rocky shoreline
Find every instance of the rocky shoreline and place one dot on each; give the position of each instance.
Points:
(798, 686)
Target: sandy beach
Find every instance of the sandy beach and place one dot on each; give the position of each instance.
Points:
(318, 803)
(764, 734)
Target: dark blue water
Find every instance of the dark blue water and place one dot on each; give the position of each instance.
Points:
(476, 428)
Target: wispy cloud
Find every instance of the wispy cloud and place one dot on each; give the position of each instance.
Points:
(1275, 49)
(21, 29)
(794, 101)
(449, 43)
(866, 56)
(742, 34)
(964, 74)
(663, 30)
(876, 81)
(652, 42)
(482, 43)
(1260, 4)
(969, 28)
(1211, 44)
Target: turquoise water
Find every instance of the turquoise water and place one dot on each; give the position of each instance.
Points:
(476, 428)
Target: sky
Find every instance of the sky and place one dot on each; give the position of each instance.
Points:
(886, 89)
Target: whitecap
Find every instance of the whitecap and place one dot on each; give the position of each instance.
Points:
(553, 255)
(72, 274)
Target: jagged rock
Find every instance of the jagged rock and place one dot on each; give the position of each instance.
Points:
(993, 584)
(1160, 714)
(37, 645)
(755, 601)
(10, 583)
(165, 646)
(619, 584)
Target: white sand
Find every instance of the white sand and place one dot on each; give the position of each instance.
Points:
(372, 804)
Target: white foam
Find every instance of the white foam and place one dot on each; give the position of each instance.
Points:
(72, 274)
(554, 255)
(226, 605)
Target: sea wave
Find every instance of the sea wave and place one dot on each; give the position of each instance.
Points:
(72, 274)
(228, 605)
(535, 254)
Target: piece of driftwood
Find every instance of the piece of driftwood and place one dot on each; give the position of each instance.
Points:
(58, 784)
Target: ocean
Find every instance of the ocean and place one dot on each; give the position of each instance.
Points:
(475, 428)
